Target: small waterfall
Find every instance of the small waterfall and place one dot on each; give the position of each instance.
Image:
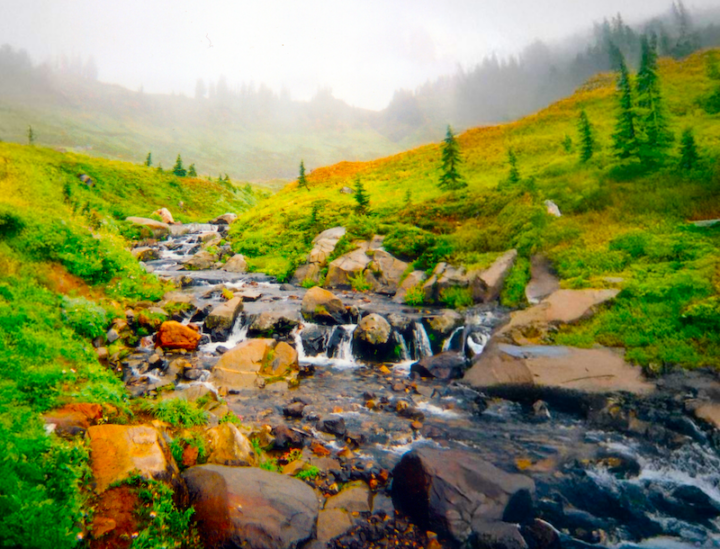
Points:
(238, 335)
(477, 341)
(336, 346)
(404, 351)
(343, 351)
(421, 341)
(447, 344)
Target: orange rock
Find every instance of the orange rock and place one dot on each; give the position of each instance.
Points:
(318, 449)
(173, 335)
(102, 525)
(72, 418)
(189, 456)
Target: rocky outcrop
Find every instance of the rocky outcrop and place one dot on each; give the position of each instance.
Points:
(323, 247)
(487, 285)
(323, 307)
(268, 324)
(245, 366)
(222, 318)
(445, 366)
(251, 507)
(145, 253)
(165, 215)
(443, 276)
(119, 451)
(543, 281)
(384, 272)
(457, 494)
(504, 367)
(372, 339)
(173, 335)
(228, 446)
(414, 279)
(159, 229)
(345, 267)
(200, 261)
(236, 264)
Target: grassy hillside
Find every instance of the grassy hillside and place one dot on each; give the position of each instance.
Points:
(622, 224)
(64, 274)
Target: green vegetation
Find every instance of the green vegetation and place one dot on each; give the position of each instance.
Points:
(513, 294)
(414, 296)
(587, 139)
(310, 473)
(456, 297)
(689, 157)
(185, 439)
(177, 412)
(302, 180)
(602, 200)
(450, 178)
(362, 200)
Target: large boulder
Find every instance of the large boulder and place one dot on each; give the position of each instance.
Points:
(228, 446)
(222, 318)
(345, 267)
(445, 366)
(251, 507)
(282, 360)
(201, 261)
(173, 335)
(323, 307)
(372, 339)
(414, 279)
(242, 366)
(268, 324)
(323, 247)
(165, 215)
(487, 285)
(236, 264)
(119, 451)
(505, 367)
(384, 272)
(456, 493)
(158, 228)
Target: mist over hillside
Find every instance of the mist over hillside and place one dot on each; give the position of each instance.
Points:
(253, 132)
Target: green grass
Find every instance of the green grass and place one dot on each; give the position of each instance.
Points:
(177, 412)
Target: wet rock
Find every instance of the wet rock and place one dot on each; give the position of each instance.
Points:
(222, 318)
(268, 324)
(401, 323)
(347, 266)
(294, 409)
(239, 367)
(445, 366)
(495, 535)
(192, 374)
(236, 264)
(333, 424)
(145, 253)
(323, 307)
(441, 326)
(282, 361)
(159, 229)
(353, 499)
(228, 446)
(372, 339)
(449, 491)
(486, 286)
(332, 523)
(173, 335)
(286, 437)
(251, 507)
(119, 451)
(540, 535)
(314, 339)
(201, 261)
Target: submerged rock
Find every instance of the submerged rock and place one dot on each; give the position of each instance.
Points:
(251, 507)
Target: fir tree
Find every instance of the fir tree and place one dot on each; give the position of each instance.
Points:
(587, 137)
(689, 157)
(30, 135)
(652, 119)
(302, 180)
(451, 179)
(567, 143)
(625, 138)
(178, 168)
(148, 160)
(362, 200)
(192, 172)
(514, 175)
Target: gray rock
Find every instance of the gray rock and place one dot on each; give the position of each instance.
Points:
(445, 366)
(347, 266)
(372, 339)
(269, 323)
(236, 264)
(200, 261)
(221, 319)
(323, 307)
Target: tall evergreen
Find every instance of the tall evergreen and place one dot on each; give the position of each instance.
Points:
(178, 168)
(148, 160)
(31, 136)
(689, 157)
(587, 137)
(625, 137)
(302, 180)
(451, 179)
(656, 136)
(192, 172)
(514, 175)
(362, 199)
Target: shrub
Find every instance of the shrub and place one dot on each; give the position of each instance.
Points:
(179, 443)
(358, 282)
(456, 297)
(414, 295)
(308, 474)
(176, 412)
(513, 293)
(86, 317)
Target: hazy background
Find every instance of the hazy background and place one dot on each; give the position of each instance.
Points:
(251, 88)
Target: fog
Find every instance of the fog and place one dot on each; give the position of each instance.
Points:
(362, 51)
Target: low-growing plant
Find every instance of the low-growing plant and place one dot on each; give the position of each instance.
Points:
(182, 441)
(513, 293)
(358, 282)
(86, 317)
(415, 295)
(309, 473)
(456, 297)
(176, 412)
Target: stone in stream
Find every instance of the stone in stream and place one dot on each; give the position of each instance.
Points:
(228, 446)
(372, 339)
(333, 424)
(224, 219)
(221, 319)
(158, 228)
(445, 366)
(251, 507)
(201, 261)
(173, 335)
(268, 324)
(236, 264)
(314, 339)
(440, 327)
(119, 451)
(243, 366)
(457, 494)
(146, 253)
(323, 307)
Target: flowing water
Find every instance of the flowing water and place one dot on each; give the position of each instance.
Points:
(667, 496)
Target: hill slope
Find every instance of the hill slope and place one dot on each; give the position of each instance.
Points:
(621, 223)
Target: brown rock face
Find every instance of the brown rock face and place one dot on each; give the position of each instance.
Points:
(284, 360)
(250, 507)
(236, 264)
(487, 285)
(451, 491)
(239, 367)
(228, 446)
(349, 265)
(323, 307)
(73, 418)
(117, 451)
(173, 335)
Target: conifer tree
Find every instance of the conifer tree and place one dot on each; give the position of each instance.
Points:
(451, 179)
(656, 137)
(178, 167)
(625, 138)
(302, 180)
(689, 157)
(31, 136)
(192, 172)
(148, 160)
(567, 143)
(514, 175)
(587, 137)
(362, 199)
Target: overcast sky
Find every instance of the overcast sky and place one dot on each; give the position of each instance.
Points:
(362, 50)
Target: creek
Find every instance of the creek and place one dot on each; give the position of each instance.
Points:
(600, 484)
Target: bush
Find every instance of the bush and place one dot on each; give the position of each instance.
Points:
(86, 317)
(513, 293)
(10, 223)
(414, 296)
(409, 242)
(176, 412)
(456, 297)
